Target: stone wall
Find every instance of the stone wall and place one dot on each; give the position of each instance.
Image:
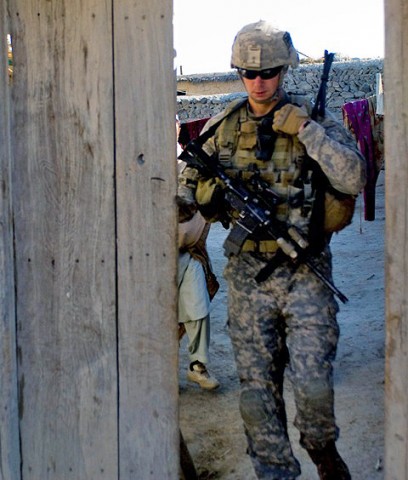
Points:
(208, 94)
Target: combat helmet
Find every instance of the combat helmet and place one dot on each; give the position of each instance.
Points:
(260, 46)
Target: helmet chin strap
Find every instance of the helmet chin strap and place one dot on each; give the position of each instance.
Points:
(282, 74)
(277, 93)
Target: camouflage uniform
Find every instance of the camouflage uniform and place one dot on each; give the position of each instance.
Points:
(290, 319)
(288, 322)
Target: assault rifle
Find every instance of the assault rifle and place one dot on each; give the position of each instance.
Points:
(256, 216)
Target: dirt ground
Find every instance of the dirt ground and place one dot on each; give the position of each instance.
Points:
(210, 421)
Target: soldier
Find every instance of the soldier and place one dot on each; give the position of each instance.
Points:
(286, 323)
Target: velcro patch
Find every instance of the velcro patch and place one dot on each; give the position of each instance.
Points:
(254, 56)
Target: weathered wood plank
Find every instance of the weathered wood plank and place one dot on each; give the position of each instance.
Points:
(63, 193)
(9, 451)
(396, 173)
(145, 99)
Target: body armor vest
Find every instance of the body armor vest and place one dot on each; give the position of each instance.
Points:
(238, 142)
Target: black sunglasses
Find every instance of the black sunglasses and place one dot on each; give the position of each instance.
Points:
(266, 74)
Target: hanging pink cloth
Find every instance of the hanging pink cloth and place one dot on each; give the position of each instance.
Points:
(359, 118)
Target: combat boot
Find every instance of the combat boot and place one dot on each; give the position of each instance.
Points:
(330, 465)
(198, 373)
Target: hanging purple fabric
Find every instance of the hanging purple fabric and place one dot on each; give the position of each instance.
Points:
(356, 116)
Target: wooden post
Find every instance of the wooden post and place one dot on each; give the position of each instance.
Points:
(64, 216)
(9, 451)
(145, 107)
(396, 174)
(93, 185)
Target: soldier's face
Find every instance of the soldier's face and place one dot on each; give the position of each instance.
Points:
(260, 90)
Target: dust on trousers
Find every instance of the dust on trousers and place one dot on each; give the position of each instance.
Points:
(285, 324)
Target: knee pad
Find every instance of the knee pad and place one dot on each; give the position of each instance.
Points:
(318, 392)
(252, 407)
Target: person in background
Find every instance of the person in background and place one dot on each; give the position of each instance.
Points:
(197, 285)
(285, 325)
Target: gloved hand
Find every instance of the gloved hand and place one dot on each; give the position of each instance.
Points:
(289, 119)
(210, 198)
(208, 191)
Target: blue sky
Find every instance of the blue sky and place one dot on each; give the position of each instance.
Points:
(205, 29)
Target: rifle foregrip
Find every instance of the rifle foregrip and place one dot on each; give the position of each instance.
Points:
(287, 248)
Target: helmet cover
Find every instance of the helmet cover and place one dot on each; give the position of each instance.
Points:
(260, 46)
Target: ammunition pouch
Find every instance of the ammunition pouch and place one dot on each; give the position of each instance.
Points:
(332, 210)
(338, 210)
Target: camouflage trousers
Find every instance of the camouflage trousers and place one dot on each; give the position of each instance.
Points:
(285, 325)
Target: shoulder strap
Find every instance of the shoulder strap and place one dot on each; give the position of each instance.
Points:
(201, 139)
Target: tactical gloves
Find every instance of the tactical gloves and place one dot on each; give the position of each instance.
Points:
(289, 119)
(210, 198)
